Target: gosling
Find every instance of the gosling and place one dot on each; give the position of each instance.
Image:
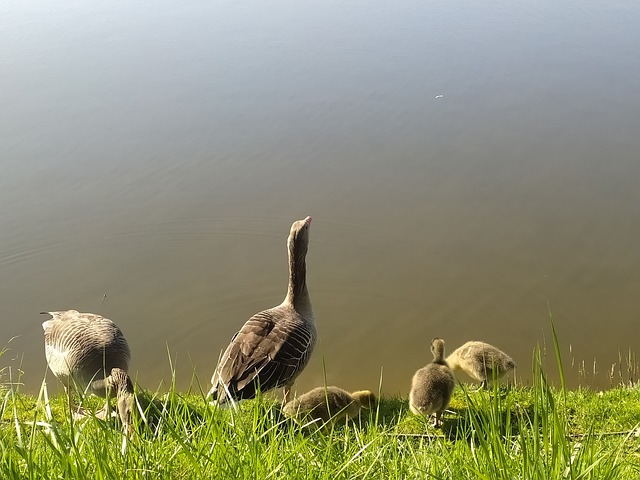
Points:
(324, 407)
(432, 386)
(481, 361)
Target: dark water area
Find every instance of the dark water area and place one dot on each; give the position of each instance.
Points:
(472, 171)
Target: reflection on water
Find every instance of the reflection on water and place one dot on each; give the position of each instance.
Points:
(471, 170)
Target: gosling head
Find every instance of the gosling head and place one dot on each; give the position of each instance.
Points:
(437, 348)
(365, 398)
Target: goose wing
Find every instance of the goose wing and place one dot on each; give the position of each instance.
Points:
(269, 351)
(83, 345)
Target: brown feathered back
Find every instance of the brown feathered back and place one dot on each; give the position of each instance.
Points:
(432, 385)
(481, 361)
(328, 405)
(83, 347)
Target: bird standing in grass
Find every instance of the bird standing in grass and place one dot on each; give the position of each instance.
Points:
(88, 353)
(326, 406)
(481, 361)
(274, 345)
(432, 385)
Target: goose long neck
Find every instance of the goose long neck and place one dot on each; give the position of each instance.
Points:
(297, 293)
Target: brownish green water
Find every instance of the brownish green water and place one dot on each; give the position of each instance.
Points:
(466, 165)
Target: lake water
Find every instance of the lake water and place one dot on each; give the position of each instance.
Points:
(470, 167)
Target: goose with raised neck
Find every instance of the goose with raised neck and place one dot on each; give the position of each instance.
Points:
(274, 345)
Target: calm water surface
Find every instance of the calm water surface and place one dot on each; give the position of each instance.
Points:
(470, 167)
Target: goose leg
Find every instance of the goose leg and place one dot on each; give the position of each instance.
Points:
(435, 420)
(78, 411)
(67, 391)
(105, 412)
(286, 390)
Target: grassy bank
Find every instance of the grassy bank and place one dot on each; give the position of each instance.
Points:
(517, 432)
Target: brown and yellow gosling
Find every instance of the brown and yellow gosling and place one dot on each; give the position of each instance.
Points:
(432, 386)
(326, 406)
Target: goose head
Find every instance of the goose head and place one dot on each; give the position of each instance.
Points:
(120, 383)
(298, 240)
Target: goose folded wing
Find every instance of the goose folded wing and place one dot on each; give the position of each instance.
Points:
(249, 351)
(264, 352)
(289, 357)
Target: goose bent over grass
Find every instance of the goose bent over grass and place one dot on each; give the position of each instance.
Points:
(274, 345)
(481, 361)
(432, 385)
(89, 353)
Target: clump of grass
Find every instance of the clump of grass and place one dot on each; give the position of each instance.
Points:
(509, 433)
(504, 433)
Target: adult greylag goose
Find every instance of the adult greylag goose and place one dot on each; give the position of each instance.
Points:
(481, 361)
(326, 406)
(274, 345)
(432, 385)
(89, 353)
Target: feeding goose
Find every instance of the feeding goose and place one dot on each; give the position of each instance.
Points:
(274, 345)
(89, 353)
(481, 361)
(328, 405)
(432, 385)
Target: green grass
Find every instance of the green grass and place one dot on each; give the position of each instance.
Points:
(514, 432)
(507, 433)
